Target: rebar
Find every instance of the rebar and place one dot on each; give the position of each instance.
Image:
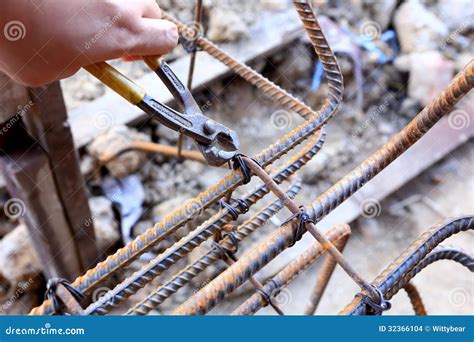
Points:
(170, 287)
(188, 243)
(415, 299)
(439, 253)
(292, 270)
(329, 200)
(411, 257)
(185, 213)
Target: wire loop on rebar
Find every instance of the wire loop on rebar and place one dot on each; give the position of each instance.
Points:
(51, 293)
(238, 163)
(232, 211)
(302, 218)
(372, 307)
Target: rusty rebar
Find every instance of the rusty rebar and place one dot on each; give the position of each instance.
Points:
(311, 227)
(145, 146)
(192, 61)
(292, 270)
(323, 279)
(188, 243)
(439, 253)
(266, 86)
(183, 277)
(329, 200)
(415, 299)
(180, 217)
(410, 258)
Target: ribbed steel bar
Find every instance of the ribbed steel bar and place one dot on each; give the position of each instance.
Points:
(321, 46)
(311, 227)
(291, 271)
(197, 23)
(323, 279)
(267, 87)
(429, 116)
(410, 258)
(192, 62)
(439, 253)
(205, 299)
(183, 277)
(188, 243)
(185, 213)
(415, 299)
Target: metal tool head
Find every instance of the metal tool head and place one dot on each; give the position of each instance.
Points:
(216, 142)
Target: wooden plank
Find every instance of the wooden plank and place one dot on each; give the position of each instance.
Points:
(30, 182)
(48, 124)
(437, 143)
(272, 31)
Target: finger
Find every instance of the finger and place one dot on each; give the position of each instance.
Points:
(156, 37)
(130, 58)
(151, 10)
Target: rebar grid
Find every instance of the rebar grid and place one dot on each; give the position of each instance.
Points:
(256, 258)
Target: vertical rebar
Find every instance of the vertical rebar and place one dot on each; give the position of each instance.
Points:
(323, 278)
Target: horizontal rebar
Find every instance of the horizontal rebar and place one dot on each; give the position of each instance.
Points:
(410, 258)
(187, 212)
(183, 277)
(259, 256)
(292, 270)
(188, 243)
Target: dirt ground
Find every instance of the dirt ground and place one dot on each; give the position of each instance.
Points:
(374, 109)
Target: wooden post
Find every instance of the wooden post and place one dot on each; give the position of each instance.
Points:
(49, 124)
(41, 169)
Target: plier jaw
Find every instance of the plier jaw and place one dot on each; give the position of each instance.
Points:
(215, 141)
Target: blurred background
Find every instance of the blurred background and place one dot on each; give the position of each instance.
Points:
(396, 56)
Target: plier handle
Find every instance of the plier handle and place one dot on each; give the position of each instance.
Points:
(215, 141)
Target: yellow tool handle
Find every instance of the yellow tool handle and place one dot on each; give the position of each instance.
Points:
(117, 81)
(153, 62)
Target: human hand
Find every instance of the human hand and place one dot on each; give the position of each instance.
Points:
(50, 40)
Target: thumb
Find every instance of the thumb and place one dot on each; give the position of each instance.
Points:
(156, 37)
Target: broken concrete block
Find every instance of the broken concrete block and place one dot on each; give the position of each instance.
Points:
(430, 73)
(418, 29)
(226, 26)
(105, 149)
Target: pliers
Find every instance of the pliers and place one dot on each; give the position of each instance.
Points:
(216, 142)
